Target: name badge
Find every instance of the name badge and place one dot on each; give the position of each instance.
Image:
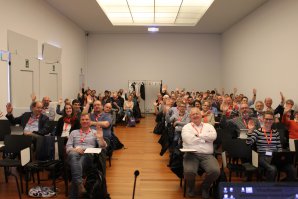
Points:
(268, 153)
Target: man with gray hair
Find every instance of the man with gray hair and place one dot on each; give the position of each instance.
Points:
(244, 121)
(199, 136)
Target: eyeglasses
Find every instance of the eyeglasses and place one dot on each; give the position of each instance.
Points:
(268, 119)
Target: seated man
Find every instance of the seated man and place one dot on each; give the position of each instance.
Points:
(258, 112)
(99, 117)
(267, 140)
(199, 136)
(34, 123)
(244, 121)
(178, 120)
(78, 141)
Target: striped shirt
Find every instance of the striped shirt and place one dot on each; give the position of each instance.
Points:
(264, 141)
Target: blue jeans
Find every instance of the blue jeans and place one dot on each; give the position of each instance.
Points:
(128, 112)
(78, 164)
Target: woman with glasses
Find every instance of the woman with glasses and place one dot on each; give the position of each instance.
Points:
(267, 141)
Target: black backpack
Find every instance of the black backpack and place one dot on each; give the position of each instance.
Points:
(95, 185)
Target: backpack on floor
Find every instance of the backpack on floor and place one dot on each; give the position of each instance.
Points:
(96, 185)
(131, 122)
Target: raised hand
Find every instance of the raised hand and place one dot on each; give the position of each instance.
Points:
(33, 97)
(254, 91)
(89, 99)
(9, 108)
(60, 101)
(251, 125)
(282, 97)
(99, 132)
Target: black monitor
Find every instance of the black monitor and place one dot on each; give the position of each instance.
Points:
(258, 190)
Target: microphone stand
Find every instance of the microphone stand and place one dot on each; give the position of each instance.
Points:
(136, 173)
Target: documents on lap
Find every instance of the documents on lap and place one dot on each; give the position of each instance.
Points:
(93, 150)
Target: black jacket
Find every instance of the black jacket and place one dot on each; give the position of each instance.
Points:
(43, 122)
(60, 124)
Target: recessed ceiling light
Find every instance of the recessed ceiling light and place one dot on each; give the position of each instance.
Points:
(154, 12)
(153, 29)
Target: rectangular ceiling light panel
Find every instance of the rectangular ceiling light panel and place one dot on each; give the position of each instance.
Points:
(154, 12)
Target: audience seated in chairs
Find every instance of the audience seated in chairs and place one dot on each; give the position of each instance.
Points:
(199, 136)
(267, 141)
(79, 162)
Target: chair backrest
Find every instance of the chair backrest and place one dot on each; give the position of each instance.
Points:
(237, 148)
(25, 156)
(4, 129)
(52, 128)
(45, 148)
(61, 147)
(16, 143)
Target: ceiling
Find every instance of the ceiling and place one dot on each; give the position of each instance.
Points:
(222, 14)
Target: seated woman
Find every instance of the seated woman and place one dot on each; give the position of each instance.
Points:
(267, 141)
(67, 123)
(291, 124)
(128, 107)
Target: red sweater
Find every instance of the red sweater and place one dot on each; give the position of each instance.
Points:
(292, 126)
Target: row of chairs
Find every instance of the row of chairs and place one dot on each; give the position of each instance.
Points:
(12, 157)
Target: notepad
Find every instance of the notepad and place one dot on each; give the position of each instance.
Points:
(93, 150)
(292, 145)
(243, 134)
(255, 158)
(188, 150)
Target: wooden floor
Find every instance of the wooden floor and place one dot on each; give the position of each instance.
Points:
(141, 153)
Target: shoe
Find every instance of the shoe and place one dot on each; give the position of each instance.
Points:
(82, 191)
(190, 193)
(205, 193)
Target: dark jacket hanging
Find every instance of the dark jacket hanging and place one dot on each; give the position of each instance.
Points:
(142, 90)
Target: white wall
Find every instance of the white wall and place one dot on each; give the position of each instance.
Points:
(38, 20)
(261, 51)
(180, 60)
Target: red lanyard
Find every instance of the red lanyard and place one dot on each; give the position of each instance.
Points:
(66, 122)
(97, 116)
(82, 139)
(270, 139)
(244, 122)
(198, 132)
(31, 120)
(66, 125)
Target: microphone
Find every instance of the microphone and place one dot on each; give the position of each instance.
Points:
(136, 173)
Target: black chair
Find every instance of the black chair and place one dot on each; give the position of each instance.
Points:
(239, 157)
(4, 129)
(13, 146)
(45, 160)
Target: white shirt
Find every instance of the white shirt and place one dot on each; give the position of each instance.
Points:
(199, 137)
